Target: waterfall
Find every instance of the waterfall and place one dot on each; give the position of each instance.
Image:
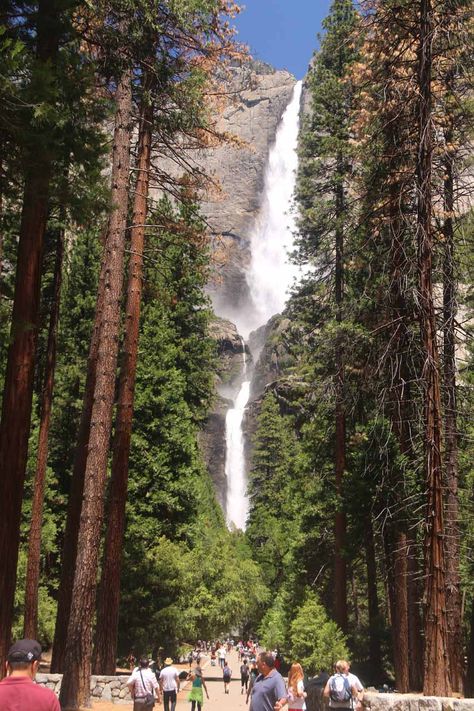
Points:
(237, 501)
(270, 274)
(269, 277)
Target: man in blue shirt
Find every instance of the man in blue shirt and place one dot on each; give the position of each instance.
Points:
(268, 691)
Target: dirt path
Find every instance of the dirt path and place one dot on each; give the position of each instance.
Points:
(218, 701)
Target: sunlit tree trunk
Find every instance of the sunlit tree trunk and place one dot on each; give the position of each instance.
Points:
(69, 550)
(375, 653)
(415, 625)
(105, 651)
(30, 630)
(453, 582)
(340, 564)
(395, 552)
(18, 388)
(75, 687)
(436, 677)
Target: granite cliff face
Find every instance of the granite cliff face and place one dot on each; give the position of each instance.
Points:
(260, 95)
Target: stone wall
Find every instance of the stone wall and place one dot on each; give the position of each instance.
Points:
(414, 702)
(107, 688)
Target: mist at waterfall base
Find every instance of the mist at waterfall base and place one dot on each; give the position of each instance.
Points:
(269, 278)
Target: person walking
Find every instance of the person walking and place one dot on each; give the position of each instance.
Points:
(244, 676)
(131, 660)
(296, 692)
(339, 690)
(221, 654)
(18, 691)
(143, 685)
(227, 676)
(355, 681)
(268, 691)
(198, 684)
(169, 684)
(253, 674)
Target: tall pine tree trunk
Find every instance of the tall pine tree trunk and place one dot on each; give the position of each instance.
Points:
(453, 583)
(415, 626)
(375, 652)
(436, 677)
(18, 388)
(395, 553)
(469, 683)
(75, 688)
(30, 630)
(105, 651)
(340, 565)
(69, 550)
(400, 416)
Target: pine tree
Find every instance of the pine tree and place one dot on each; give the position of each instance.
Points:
(320, 193)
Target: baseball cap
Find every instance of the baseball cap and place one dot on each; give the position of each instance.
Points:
(24, 650)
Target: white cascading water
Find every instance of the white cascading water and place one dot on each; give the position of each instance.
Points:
(269, 277)
(237, 501)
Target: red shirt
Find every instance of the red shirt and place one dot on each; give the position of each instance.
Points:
(20, 693)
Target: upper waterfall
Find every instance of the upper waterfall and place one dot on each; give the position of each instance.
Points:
(270, 273)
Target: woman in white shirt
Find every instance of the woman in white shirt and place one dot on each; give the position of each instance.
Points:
(296, 692)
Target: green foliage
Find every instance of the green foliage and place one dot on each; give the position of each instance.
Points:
(46, 605)
(314, 640)
(196, 580)
(274, 497)
(273, 630)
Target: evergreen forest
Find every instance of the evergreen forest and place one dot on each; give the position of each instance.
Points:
(360, 534)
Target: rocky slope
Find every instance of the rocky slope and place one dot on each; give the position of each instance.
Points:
(230, 359)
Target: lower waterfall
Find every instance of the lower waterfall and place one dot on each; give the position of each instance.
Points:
(269, 277)
(237, 501)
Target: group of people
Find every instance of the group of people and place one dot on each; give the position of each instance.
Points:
(268, 691)
(262, 681)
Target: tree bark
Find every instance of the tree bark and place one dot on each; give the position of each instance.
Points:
(75, 688)
(340, 564)
(30, 630)
(375, 652)
(415, 626)
(401, 412)
(18, 388)
(69, 550)
(452, 548)
(105, 651)
(395, 553)
(469, 683)
(436, 677)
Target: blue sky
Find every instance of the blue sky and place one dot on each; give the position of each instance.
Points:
(282, 32)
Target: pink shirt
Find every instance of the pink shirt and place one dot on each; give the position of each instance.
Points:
(20, 693)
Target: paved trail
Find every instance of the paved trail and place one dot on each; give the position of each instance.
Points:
(218, 700)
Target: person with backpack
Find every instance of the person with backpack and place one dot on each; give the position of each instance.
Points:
(227, 676)
(244, 676)
(338, 690)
